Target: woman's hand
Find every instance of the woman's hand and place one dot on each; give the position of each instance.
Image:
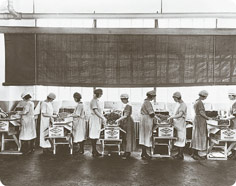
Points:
(170, 118)
(117, 121)
(51, 119)
(104, 120)
(55, 115)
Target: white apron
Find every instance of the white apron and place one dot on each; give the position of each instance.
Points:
(180, 127)
(95, 122)
(28, 128)
(79, 124)
(145, 130)
(46, 108)
(233, 121)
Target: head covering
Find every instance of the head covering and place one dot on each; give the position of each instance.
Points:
(97, 91)
(151, 93)
(77, 95)
(52, 95)
(232, 92)
(25, 94)
(124, 96)
(177, 95)
(203, 93)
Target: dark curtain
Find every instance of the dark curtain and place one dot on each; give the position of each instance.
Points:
(20, 59)
(120, 60)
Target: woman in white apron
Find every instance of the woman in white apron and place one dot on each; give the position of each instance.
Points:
(146, 124)
(179, 124)
(27, 128)
(79, 123)
(46, 116)
(95, 121)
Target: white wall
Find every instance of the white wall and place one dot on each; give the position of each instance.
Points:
(218, 94)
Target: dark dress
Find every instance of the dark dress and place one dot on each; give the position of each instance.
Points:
(199, 135)
(128, 138)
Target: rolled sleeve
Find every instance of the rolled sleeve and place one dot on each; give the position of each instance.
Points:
(149, 108)
(43, 108)
(94, 104)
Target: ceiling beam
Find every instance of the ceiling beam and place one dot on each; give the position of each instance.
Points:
(117, 15)
(131, 31)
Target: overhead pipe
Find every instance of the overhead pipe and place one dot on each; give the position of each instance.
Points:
(15, 14)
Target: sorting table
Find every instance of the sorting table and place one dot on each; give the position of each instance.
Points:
(220, 144)
(61, 134)
(9, 130)
(111, 138)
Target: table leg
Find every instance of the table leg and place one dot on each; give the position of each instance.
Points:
(231, 146)
(71, 145)
(169, 142)
(3, 142)
(225, 151)
(119, 148)
(54, 146)
(210, 148)
(17, 142)
(103, 147)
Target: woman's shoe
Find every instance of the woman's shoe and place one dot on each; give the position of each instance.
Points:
(196, 157)
(96, 154)
(178, 157)
(127, 154)
(203, 157)
(81, 151)
(146, 157)
(124, 156)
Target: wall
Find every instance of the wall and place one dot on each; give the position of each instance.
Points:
(218, 94)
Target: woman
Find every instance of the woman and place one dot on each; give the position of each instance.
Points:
(232, 114)
(126, 123)
(79, 123)
(146, 124)
(28, 127)
(95, 121)
(199, 135)
(179, 124)
(46, 117)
